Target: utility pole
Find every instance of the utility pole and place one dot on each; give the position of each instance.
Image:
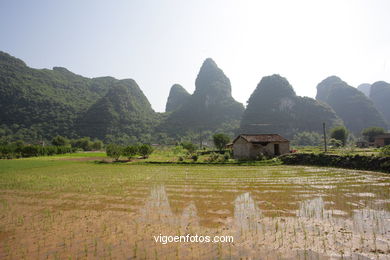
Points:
(323, 126)
(200, 138)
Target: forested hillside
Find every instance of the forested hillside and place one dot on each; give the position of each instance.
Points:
(123, 114)
(210, 108)
(355, 109)
(178, 96)
(39, 104)
(275, 108)
(380, 95)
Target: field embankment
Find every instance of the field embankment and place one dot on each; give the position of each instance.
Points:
(371, 163)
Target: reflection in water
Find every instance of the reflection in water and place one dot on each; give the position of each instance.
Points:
(372, 221)
(158, 210)
(319, 227)
(313, 208)
(246, 213)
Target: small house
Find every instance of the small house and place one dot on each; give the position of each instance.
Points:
(382, 140)
(250, 146)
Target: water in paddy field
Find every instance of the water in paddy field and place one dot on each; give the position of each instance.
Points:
(271, 212)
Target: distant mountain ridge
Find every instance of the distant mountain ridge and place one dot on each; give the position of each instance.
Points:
(177, 97)
(38, 104)
(275, 108)
(380, 95)
(210, 108)
(42, 103)
(355, 109)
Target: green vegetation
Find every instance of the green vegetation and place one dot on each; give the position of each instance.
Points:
(371, 132)
(115, 151)
(275, 108)
(190, 147)
(41, 104)
(221, 140)
(307, 139)
(355, 109)
(380, 95)
(178, 96)
(339, 133)
(372, 163)
(385, 150)
(210, 108)
(145, 150)
(18, 150)
(123, 115)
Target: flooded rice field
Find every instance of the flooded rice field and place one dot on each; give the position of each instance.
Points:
(276, 212)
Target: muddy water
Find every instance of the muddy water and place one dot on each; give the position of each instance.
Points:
(271, 212)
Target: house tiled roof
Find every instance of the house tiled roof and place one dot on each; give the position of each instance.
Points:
(261, 138)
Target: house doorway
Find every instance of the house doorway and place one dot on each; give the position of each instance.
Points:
(276, 149)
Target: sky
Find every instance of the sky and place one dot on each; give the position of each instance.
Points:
(160, 43)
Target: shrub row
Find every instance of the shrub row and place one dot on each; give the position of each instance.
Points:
(116, 151)
(17, 151)
(371, 163)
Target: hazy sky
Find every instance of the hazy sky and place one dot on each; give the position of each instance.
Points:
(159, 43)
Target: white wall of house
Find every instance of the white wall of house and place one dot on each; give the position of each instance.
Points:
(245, 150)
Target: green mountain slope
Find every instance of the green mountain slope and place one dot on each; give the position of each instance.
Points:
(177, 97)
(355, 109)
(380, 95)
(275, 108)
(123, 113)
(42, 103)
(211, 107)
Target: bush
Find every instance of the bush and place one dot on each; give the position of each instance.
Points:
(145, 150)
(130, 151)
(97, 145)
(190, 147)
(18, 150)
(221, 140)
(82, 143)
(339, 133)
(114, 151)
(59, 141)
(385, 150)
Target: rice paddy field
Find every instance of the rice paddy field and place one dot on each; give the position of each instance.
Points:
(71, 207)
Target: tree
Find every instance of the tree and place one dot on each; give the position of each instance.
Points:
(130, 151)
(145, 150)
(190, 147)
(82, 143)
(60, 141)
(221, 140)
(114, 151)
(371, 132)
(339, 133)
